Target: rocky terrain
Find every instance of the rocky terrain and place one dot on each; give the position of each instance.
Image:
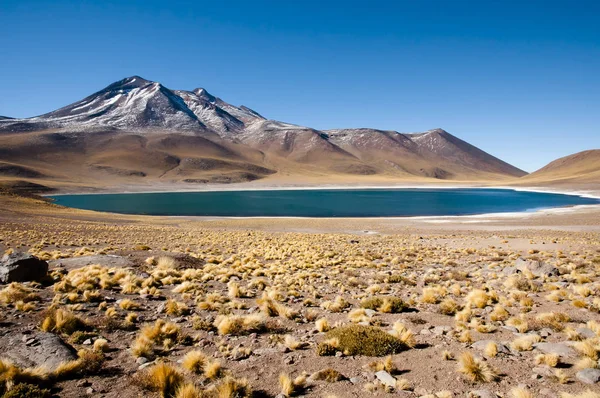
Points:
(135, 306)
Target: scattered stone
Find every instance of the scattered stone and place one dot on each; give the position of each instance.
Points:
(560, 349)
(141, 360)
(48, 350)
(386, 379)
(355, 380)
(537, 268)
(22, 267)
(543, 371)
(586, 332)
(145, 365)
(441, 330)
(484, 393)
(588, 376)
(481, 344)
(87, 342)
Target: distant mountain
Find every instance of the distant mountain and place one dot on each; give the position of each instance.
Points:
(136, 129)
(580, 168)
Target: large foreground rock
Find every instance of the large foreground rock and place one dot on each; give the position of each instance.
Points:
(105, 260)
(37, 349)
(22, 267)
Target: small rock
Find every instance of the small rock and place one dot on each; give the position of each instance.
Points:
(586, 332)
(386, 379)
(145, 365)
(141, 360)
(481, 344)
(560, 349)
(89, 391)
(87, 342)
(543, 371)
(545, 332)
(355, 380)
(441, 330)
(588, 376)
(370, 312)
(424, 332)
(288, 360)
(484, 393)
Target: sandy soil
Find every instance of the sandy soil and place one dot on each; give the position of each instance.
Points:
(292, 272)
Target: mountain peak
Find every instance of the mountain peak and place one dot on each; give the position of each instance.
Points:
(202, 93)
(129, 83)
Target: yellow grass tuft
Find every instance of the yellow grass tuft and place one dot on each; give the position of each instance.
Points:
(474, 369)
(194, 361)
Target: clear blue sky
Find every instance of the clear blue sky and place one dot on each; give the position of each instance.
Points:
(519, 79)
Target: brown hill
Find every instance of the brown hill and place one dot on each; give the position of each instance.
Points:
(139, 132)
(579, 169)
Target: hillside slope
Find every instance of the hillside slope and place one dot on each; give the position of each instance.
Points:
(582, 168)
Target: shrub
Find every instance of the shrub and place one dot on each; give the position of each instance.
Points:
(384, 304)
(24, 390)
(361, 340)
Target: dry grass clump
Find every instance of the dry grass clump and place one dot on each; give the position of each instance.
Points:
(553, 320)
(391, 305)
(587, 348)
(525, 343)
(403, 334)
(230, 387)
(474, 369)
(491, 349)
(62, 321)
(322, 325)
(17, 292)
(586, 363)
(11, 375)
(478, 298)
(449, 306)
(519, 392)
(551, 360)
(87, 363)
(195, 361)
(329, 375)
(291, 387)
(271, 307)
(387, 364)
(162, 333)
(162, 378)
(241, 324)
(101, 345)
(337, 305)
(361, 340)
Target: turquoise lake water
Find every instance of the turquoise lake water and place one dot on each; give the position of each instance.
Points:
(325, 202)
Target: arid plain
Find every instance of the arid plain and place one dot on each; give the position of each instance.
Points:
(188, 307)
(133, 306)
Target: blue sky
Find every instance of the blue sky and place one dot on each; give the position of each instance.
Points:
(519, 79)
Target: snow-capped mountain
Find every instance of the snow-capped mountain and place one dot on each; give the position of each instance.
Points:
(136, 128)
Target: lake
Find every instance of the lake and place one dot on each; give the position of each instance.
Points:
(325, 202)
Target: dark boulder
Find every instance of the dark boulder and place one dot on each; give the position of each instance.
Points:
(22, 267)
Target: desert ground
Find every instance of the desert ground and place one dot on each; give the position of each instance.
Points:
(483, 306)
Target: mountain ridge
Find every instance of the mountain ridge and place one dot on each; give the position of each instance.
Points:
(137, 128)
